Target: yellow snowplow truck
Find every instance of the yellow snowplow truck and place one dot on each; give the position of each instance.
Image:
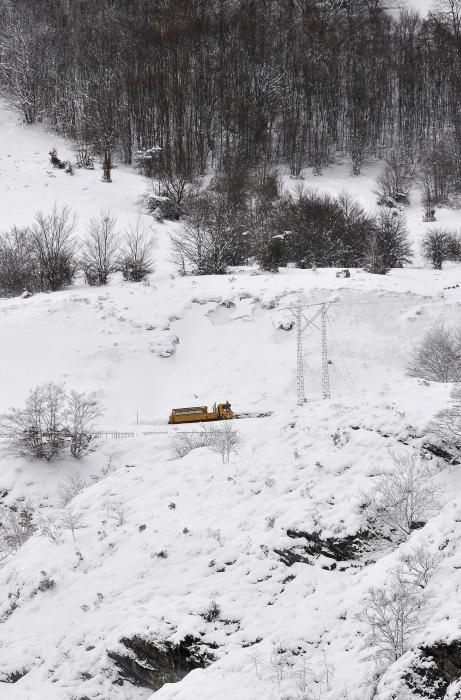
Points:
(197, 414)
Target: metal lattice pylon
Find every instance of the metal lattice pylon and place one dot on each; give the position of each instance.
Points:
(299, 358)
(325, 373)
(302, 323)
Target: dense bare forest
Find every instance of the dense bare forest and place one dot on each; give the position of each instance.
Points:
(185, 87)
(288, 81)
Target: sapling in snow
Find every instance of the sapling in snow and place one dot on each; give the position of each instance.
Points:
(404, 497)
(100, 249)
(223, 440)
(392, 613)
(447, 423)
(72, 520)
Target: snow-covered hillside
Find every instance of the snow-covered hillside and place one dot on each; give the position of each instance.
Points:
(240, 559)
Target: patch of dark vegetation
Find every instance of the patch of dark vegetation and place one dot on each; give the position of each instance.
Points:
(150, 664)
(245, 645)
(164, 207)
(212, 612)
(436, 667)
(14, 676)
(438, 451)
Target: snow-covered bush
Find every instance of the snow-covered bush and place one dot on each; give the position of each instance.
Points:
(388, 245)
(212, 612)
(46, 583)
(70, 488)
(50, 421)
(55, 161)
(100, 249)
(186, 442)
(54, 247)
(17, 524)
(136, 255)
(403, 498)
(211, 237)
(437, 358)
(322, 230)
(223, 439)
(18, 266)
(116, 512)
(40, 257)
(396, 179)
(439, 245)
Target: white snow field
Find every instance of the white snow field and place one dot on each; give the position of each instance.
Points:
(162, 539)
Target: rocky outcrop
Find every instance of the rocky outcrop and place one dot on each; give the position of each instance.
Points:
(311, 546)
(434, 668)
(151, 664)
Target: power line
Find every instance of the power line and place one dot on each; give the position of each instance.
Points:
(348, 376)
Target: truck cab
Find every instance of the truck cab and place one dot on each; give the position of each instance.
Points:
(223, 410)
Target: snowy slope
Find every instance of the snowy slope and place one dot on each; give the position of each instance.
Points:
(161, 537)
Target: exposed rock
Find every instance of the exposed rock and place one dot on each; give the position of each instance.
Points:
(345, 549)
(290, 557)
(434, 669)
(14, 676)
(343, 273)
(151, 664)
(438, 451)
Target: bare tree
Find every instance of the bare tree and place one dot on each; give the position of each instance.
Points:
(18, 263)
(211, 236)
(74, 485)
(437, 358)
(50, 421)
(22, 48)
(223, 440)
(173, 182)
(392, 614)
(50, 527)
(418, 565)
(447, 423)
(137, 249)
(38, 430)
(396, 180)
(404, 497)
(53, 241)
(82, 411)
(439, 245)
(72, 520)
(100, 249)
(116, 511)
